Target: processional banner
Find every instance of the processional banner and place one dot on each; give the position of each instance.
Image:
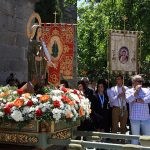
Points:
(123, 51)
(59, 39)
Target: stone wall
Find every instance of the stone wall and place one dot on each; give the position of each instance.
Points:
(14, 15)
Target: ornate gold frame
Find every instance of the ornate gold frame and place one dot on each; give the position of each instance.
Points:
(30, 24)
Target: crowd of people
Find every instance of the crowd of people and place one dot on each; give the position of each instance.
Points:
(115, 107)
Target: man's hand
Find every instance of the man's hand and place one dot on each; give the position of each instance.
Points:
(139, 100)
(121, 95)
(137, 88)
(123, 89)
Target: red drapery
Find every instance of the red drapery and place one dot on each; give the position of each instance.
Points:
(59, 39)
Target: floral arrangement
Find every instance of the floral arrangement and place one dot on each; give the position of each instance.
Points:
(59, 104)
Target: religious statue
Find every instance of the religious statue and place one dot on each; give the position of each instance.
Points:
(38, 56)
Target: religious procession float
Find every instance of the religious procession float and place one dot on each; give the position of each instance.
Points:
(32, 119)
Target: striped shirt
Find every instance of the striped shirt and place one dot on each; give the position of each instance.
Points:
(138, 111)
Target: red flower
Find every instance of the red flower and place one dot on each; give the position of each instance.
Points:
(56, 103)
(77, 102)
(20, 91)
(75, 92)
(65, 99)
(38, 112)
(7, 110)
(9, 105)
(30, 103)
(64, 89)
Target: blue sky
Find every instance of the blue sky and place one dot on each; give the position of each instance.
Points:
(79, 2)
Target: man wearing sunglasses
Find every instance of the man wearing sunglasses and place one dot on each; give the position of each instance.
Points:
(138, 99)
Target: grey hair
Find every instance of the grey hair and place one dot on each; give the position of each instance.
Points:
(135, 77)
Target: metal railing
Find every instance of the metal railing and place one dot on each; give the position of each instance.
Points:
(81, 144)
(106, 135)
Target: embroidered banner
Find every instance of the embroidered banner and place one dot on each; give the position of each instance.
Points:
(59, 39)
(123, 51)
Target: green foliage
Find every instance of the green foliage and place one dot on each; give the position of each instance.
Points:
(95, 19)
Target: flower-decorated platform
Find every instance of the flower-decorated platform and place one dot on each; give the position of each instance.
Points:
(34, 119)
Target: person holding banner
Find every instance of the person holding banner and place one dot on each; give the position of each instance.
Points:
(139, 100)
(119, 108)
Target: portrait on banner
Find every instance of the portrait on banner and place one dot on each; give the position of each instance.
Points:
(123, 51)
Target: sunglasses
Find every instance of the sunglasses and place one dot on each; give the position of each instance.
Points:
(139, 81)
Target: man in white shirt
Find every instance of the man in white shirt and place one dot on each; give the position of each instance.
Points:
(119, 108)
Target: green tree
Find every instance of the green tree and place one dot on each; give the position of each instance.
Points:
(94, 21)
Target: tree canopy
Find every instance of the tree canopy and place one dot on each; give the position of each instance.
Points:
(95, 19)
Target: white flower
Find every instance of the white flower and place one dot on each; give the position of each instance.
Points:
(13, 108)
(54, 98)
(17, 115)
(56, 113)
(75, 97)
(62, 105)
(1, 114)
(2, 104)
(43, 109)
(31, 109)
(4, 101)
(38, 95)
(56, 92)
(35, 100)
(14, 92)
(21, 97)
(31, 115)
(26, 110)
(41, 105)
(46, 105)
